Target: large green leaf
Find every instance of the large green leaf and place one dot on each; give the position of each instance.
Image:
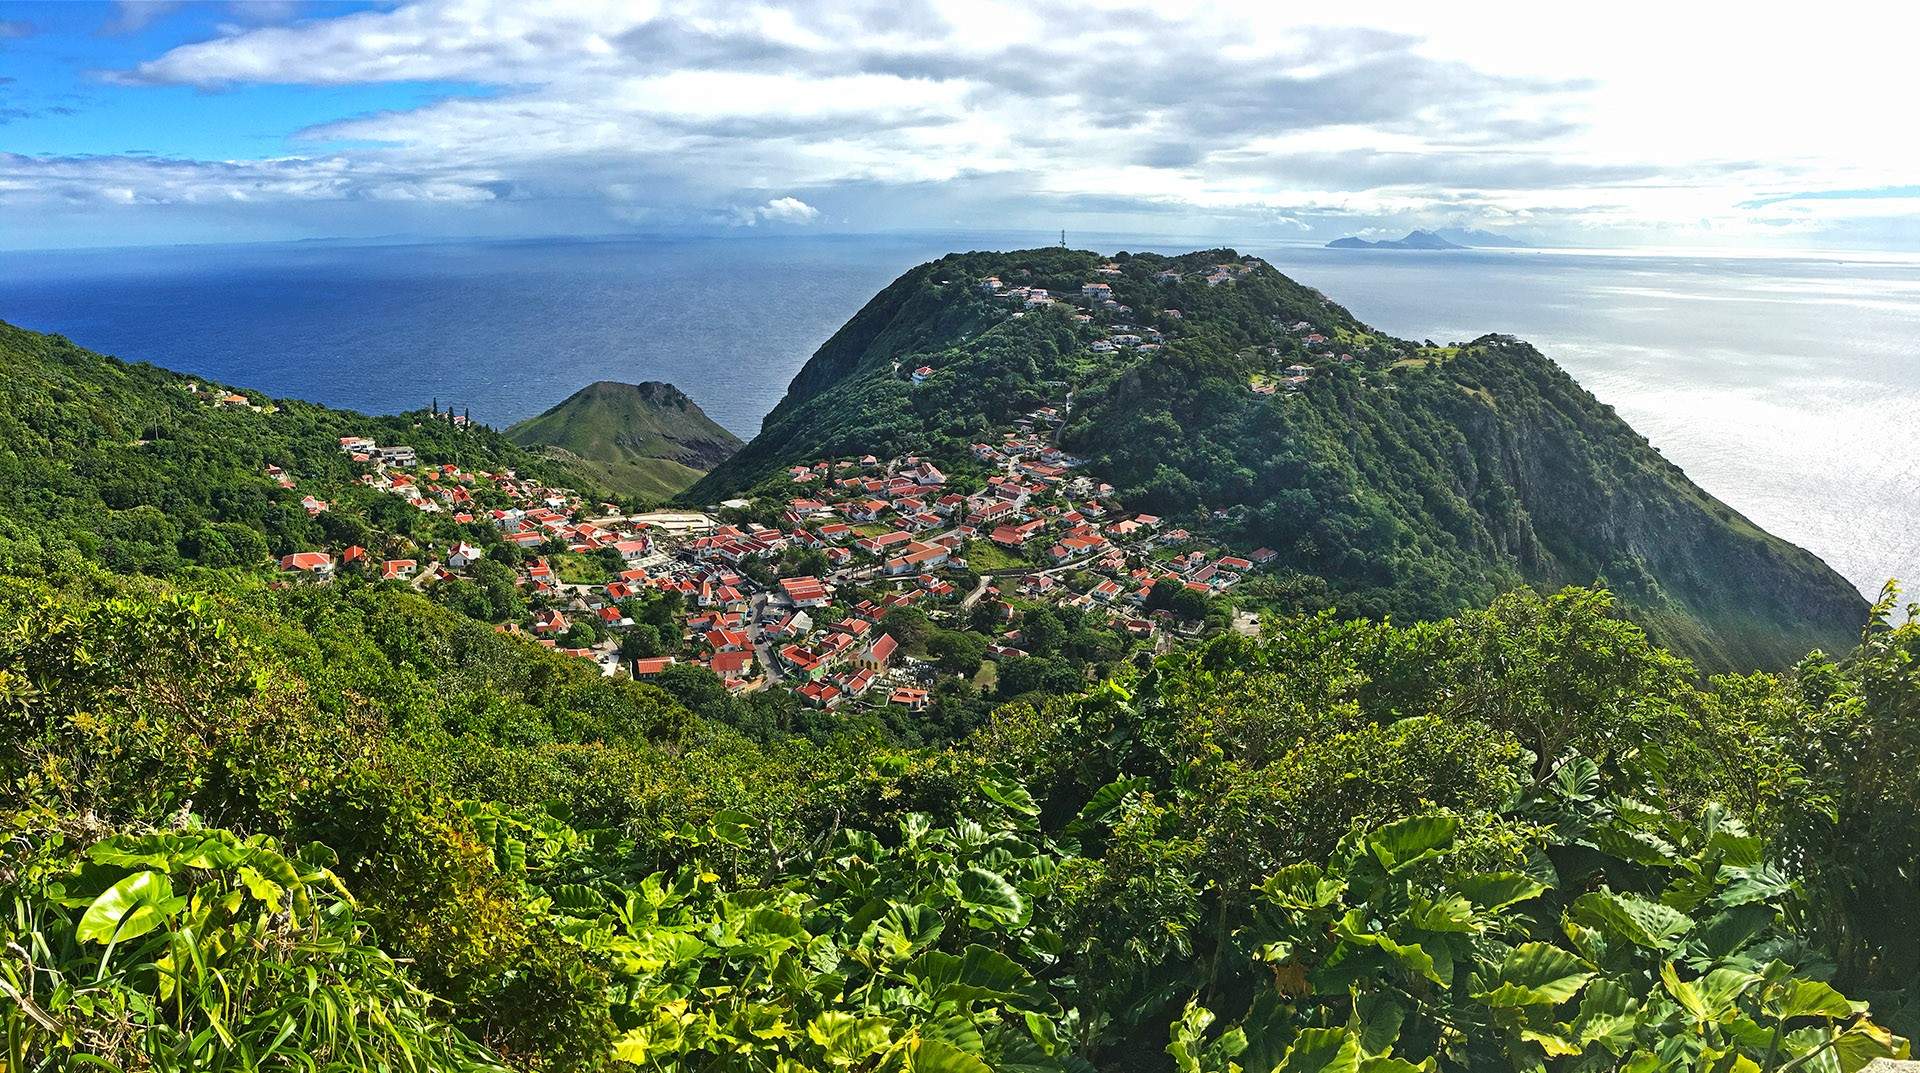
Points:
(1710, 998)
(1322, 1050)
(936, 1056)
(1450, 914)
(1103, 801)
(1863, 1042)
(730, 826)
(772, 927)
(977, 974)
(1401, 843)
(846, 1039)
(1607, 1015)
(1412, 957)
(1640, 847)
(904, 930)
(1637, 920)
(1013, 796)
(1377, 1018)
(1538, 974)
(1746, 886)
(1304, 885)
(130, 908)
(1497, 890)
(1811, 998)
(989, 893)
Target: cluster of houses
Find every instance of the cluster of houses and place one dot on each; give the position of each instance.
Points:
(884, 534)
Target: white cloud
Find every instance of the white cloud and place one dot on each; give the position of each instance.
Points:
(780, 210)
(1396, 115)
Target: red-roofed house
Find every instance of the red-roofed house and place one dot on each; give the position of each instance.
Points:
(909, 698)
(732, 667)
(647, 668)
(805, 592)
(314, 563)
(633, 549)
(820, 694)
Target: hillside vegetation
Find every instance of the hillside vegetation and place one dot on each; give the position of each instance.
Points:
(644, 440)
(123, 464)
(342, 828)
(1395, 477)
(261, 824)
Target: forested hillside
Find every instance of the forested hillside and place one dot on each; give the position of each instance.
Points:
(1391, 477)
(148, 471)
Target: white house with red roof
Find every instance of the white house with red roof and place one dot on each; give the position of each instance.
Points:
(312, 563)
(632, 550)
(464, 555)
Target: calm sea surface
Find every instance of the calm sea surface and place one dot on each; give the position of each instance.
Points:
(1789, 387)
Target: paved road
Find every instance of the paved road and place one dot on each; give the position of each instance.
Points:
(973, 597)
(762, 648)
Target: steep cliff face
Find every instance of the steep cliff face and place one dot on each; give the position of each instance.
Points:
(1391, 478)
(1434, 483)
(1596, 500)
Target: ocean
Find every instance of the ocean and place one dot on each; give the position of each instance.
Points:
(1787, 386)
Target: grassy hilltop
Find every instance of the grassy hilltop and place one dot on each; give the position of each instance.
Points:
(647, 440)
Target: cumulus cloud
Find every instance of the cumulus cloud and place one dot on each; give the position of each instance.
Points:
(1243, 112)
(780, 210)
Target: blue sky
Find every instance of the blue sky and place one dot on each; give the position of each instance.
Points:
(1648, 124)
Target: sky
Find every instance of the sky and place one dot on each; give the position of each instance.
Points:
(1619, 125)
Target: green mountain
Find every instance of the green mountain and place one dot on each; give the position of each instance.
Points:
(1395, 478)
(647, 440)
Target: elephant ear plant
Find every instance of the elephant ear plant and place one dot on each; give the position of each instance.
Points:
(198, 949)
(1632, 941)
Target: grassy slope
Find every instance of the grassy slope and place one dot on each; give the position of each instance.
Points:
(647, 440)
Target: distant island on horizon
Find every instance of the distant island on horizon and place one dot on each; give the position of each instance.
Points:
(1444, 238)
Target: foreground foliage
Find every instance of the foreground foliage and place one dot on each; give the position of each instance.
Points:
(196, 950)
(1520, 838)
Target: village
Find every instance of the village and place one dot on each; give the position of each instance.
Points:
(883, 533)
(800, 600)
